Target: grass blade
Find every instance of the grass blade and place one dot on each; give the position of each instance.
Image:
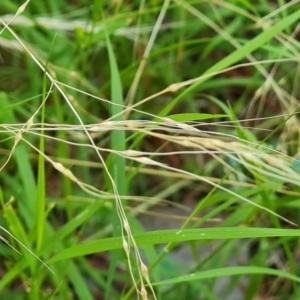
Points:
(229, 271)
(167, 236)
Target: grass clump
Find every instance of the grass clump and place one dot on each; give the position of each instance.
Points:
(117, 115)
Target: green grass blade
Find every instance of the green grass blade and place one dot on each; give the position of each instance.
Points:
(229, 271)
(118, 143)
(41, 182)
(167, 236)
(185, 117)
(79, 283)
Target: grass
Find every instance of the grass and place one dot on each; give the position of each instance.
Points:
(120, 112)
